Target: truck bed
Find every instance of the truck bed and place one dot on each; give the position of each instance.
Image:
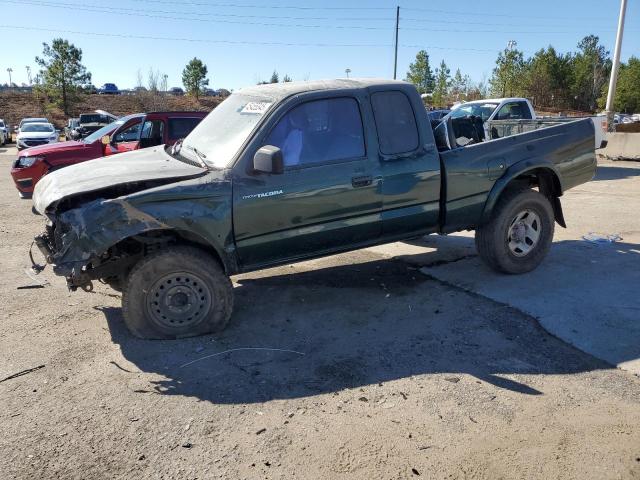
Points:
(506, 128)
(470, 173)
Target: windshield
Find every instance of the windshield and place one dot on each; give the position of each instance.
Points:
(220, 135)
(106, 130)
(37, 127)
(483, 110)
(32, 120)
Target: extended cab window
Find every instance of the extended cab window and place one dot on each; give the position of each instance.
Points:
(514, 111)
(181, 127)
(321, 131)
(395, 122)
(152, 133)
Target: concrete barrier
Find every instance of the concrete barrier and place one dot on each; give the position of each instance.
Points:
(622, 146)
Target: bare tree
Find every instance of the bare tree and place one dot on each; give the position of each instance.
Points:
(139, 79)
(153, 79)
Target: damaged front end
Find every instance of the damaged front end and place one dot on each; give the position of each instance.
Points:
(101, 234)
(97, 241)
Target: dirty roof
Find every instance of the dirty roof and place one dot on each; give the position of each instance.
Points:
(282, 90)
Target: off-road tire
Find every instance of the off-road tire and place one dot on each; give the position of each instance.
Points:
(189, 270)
(492, 238)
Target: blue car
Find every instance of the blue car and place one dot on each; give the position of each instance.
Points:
(109, 89)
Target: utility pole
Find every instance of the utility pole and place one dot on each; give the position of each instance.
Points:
(9, 70)
(395, 59)
(616, 65)
(29, 73)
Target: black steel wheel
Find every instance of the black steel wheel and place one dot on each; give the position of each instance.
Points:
(177, 292)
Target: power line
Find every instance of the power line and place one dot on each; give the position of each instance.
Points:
(520, 17)
(139, 13)
(173, 18)
(274, 7)
(201, 14)
(238, 42)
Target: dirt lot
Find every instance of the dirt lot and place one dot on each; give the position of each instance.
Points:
(383, 372)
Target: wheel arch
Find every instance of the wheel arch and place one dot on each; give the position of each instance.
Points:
(544, 175)
(157, 238)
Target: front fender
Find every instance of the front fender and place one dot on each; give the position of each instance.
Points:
(514, 171)
(87, 232)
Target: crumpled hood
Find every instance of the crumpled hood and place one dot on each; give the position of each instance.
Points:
(140, 165)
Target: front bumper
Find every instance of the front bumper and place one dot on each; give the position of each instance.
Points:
(26, 178)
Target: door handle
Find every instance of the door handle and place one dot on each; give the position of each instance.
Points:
(364, 181)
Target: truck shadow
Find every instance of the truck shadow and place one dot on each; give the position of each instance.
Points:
(347, 326)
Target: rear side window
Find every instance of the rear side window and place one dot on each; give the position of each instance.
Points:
(514, 111)
(395, 122)
(181, 127)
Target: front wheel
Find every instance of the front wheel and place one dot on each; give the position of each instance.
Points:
(519, 234)
(175, 293)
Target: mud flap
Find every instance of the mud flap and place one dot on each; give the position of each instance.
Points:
(557, 210)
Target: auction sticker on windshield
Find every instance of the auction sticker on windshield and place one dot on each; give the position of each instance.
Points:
(256, 107)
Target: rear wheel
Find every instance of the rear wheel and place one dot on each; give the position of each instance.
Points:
(178, 292)
(519, 234)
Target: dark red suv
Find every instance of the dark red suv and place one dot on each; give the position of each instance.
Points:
(128, 133)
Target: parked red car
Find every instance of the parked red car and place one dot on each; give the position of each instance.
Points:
(132, 132)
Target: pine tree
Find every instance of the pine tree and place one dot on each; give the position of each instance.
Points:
(420, 73)
(442, 85)
(62, 73)
(194, 77)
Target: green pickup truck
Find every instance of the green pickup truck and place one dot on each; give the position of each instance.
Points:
(286, 172)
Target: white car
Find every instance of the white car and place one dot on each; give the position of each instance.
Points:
(4, 133)
(34, 134)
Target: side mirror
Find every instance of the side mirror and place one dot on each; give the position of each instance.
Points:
(268, 160)
(106, 140)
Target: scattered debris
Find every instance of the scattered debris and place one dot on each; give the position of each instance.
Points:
(415, 472)
(601, 238)
(363, 399)
(473, 419)
(425, 447)
(23, 372)
(404, 395)
(452, 379)
(187, 445)
(26, 287)
(142, 457)
(241, 349)
(121, 368)
(262, 430)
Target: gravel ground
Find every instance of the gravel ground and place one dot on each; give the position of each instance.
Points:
(381, 372)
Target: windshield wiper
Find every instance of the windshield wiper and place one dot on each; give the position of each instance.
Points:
(199, 155)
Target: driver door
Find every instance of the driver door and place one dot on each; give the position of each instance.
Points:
(125, 139)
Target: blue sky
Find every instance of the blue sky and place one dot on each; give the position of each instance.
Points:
(243, 41)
